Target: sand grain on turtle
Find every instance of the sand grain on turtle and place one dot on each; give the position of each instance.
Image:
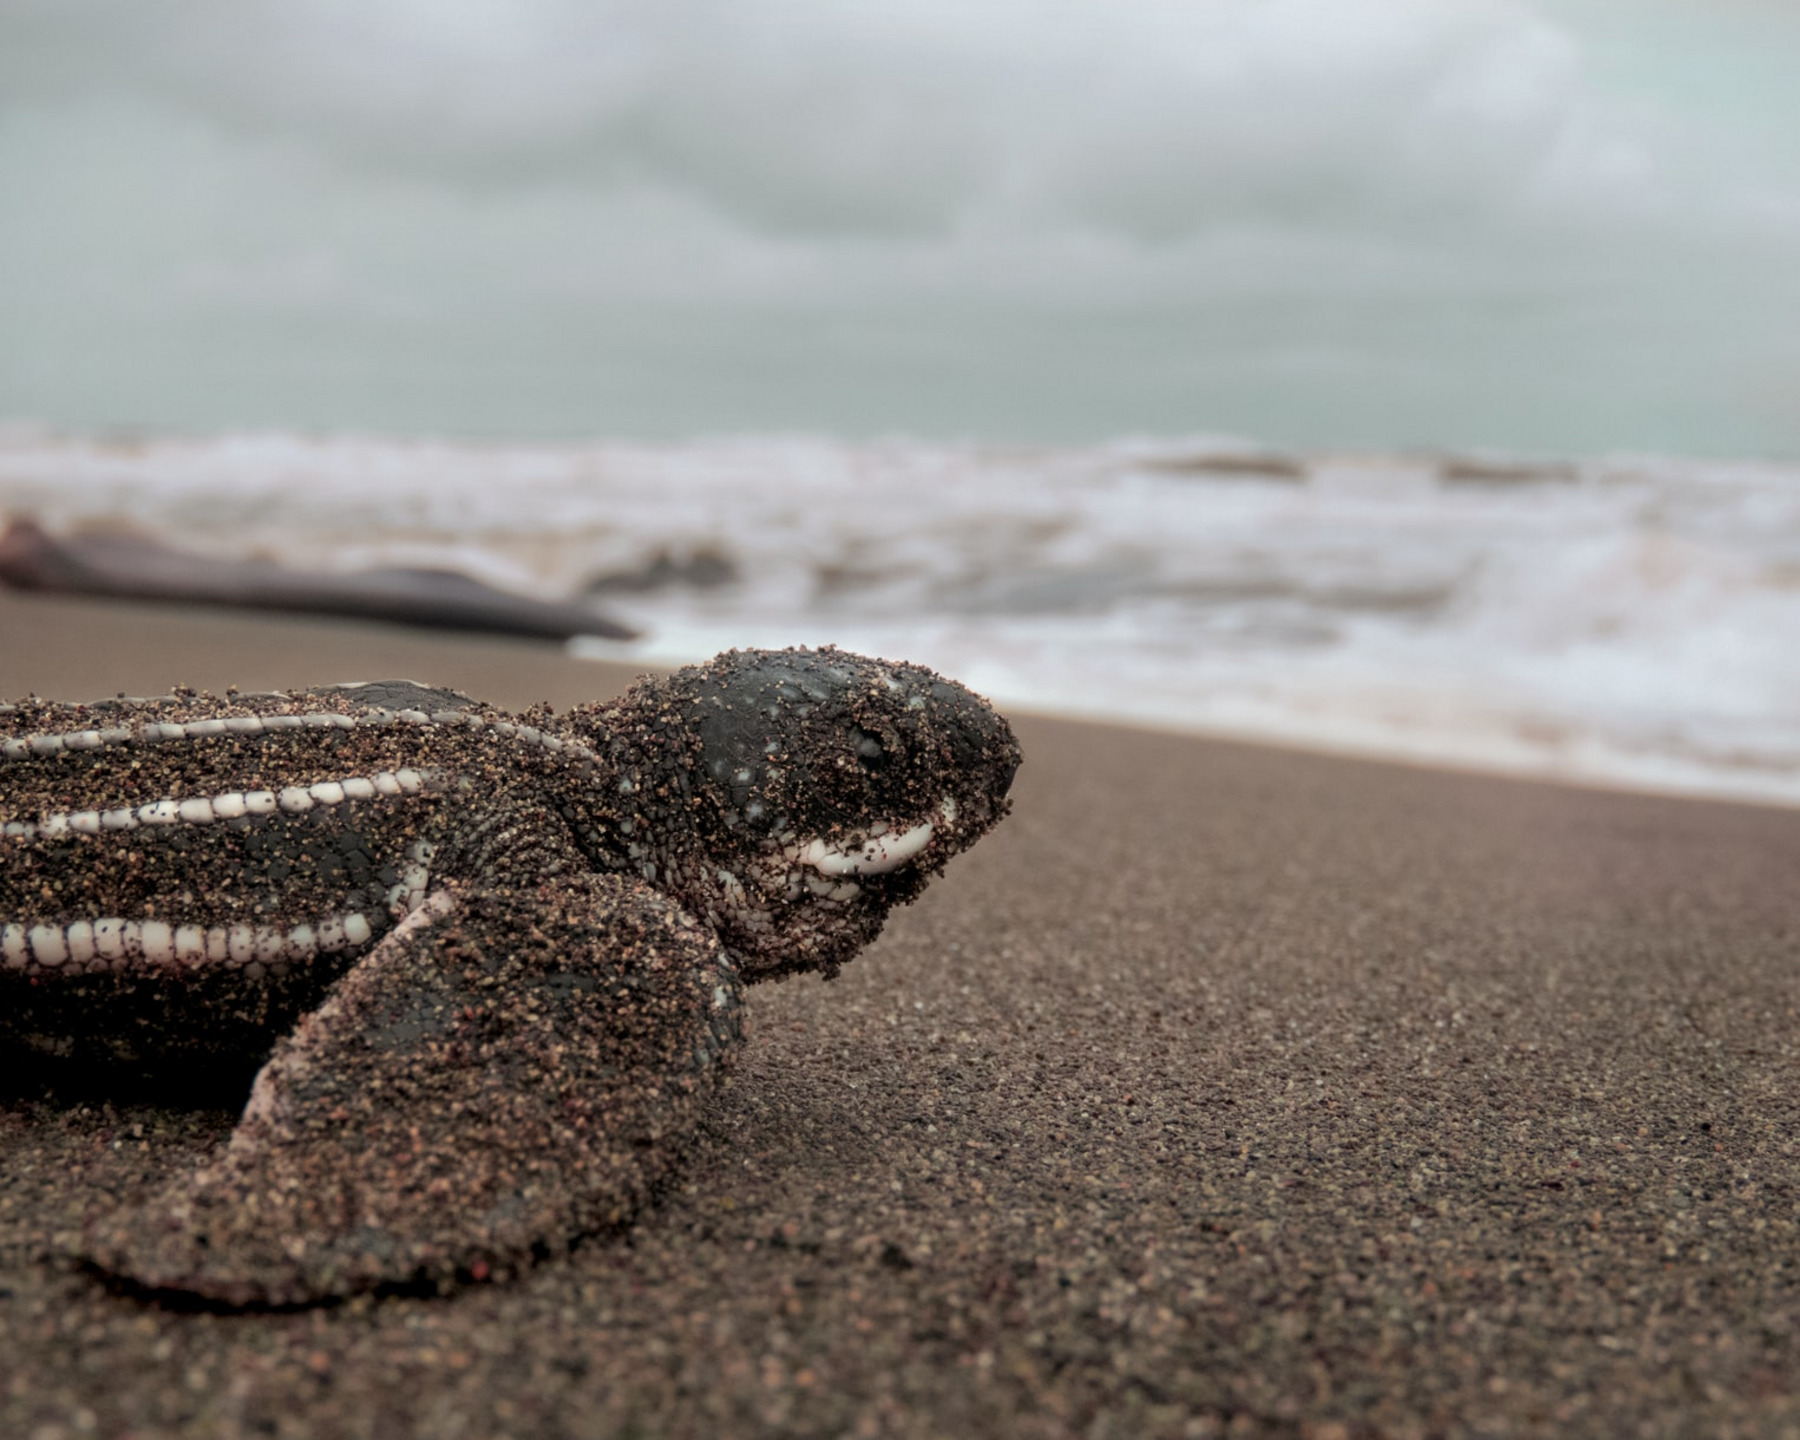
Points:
(494, 962)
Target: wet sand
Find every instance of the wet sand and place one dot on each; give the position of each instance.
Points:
(1223, 1090)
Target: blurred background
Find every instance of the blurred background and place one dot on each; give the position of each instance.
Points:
(1419, 377)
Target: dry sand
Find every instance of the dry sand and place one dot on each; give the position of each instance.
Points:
(1222, 1090)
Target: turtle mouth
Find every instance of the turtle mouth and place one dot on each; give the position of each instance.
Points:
(880, 854)
(885, 848)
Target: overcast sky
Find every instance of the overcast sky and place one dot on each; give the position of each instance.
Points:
(1571, 225)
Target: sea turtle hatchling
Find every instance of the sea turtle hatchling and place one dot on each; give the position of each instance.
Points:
(499, 958)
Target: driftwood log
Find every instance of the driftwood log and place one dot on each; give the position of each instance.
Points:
(122, 565)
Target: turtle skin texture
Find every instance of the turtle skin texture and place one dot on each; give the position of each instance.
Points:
(491, 966)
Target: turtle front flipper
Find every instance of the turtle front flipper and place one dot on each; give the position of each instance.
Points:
(504, 1073)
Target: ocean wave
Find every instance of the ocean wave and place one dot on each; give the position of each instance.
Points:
(1623, 621)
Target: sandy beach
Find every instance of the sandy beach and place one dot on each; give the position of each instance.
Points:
(1223, 1090)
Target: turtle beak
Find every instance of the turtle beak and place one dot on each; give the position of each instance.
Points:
(879, 855)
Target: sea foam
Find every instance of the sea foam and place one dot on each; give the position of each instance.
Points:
(1618, 621)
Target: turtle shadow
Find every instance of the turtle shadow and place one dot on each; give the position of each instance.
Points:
(79, 1141)
(56, 1082)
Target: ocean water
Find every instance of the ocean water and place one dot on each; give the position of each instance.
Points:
(1631, 622)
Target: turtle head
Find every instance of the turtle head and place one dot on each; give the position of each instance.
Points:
(791, 798)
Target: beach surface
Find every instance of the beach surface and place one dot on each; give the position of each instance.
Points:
(1223, 1090)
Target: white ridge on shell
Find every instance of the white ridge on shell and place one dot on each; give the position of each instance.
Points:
(47, 946)
(231, 805)
(157, 939)
(47, 744)
(111, 942)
